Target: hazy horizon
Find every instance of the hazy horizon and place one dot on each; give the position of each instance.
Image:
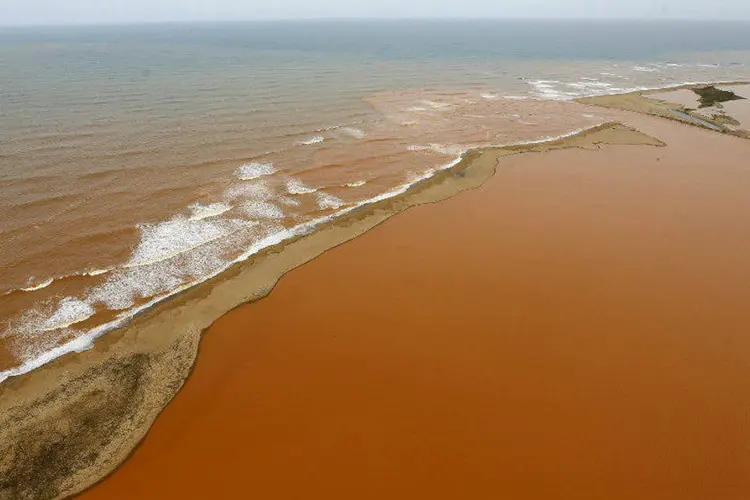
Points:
(98, 12)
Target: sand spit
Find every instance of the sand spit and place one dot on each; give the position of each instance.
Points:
(66, 426)
(708, 111)
(575, 328)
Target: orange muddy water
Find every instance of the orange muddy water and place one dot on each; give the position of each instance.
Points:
(577, 328)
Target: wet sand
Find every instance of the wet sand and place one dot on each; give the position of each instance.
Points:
(576, 327)
(676, 104)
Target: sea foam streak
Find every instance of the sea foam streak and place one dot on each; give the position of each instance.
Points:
(254, 170)
(165, 240)
(327, 201)
(295, 186)
(314, 140)
(258, 209)
(69, 312)
(39, 286)
(354, 132)
(80, 309)
(200, 212)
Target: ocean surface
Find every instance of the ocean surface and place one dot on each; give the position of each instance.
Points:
(137, 161)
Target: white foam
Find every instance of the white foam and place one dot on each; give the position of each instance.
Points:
(354, 132)
(290, 202)
(39, 286)
(200, 212)
(327, 201)
(587, 85)
(437, 105)
(126, 286)
(164, 281)
(254, 170)
(165, 240)
(98, 272)
(295, 186)
(356, 184)
(416, 108)
(257, 190)
(644, 69)
(448, 149)
(69, 312)
(546, 90)
(488, 96)
(257, 209)
(516, 97)
(443, 149)
(313, 140)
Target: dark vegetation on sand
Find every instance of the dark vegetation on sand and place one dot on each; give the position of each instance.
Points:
(710, 96)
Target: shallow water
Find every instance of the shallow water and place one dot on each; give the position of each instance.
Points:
(136, 161)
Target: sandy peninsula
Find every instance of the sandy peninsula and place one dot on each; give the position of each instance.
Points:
(568, 322)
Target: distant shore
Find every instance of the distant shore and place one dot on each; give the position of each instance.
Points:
(69, 424)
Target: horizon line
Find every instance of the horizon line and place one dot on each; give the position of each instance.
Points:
(360, 19)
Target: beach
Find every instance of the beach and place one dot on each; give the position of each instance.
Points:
(573, 328)
(543, 321)
(466, 272)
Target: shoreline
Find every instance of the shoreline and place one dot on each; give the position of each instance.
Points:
(122, 384)
(646, 102)
(86, 342)
(572, 328)
(122, 320)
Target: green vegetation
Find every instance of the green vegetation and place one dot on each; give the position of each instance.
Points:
(711, 96)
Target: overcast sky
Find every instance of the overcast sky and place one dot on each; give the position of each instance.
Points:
(15, 12)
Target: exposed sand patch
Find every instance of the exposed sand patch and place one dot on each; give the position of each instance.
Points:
(682, 97)
(677, 105)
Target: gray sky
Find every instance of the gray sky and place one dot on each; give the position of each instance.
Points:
(15, 12)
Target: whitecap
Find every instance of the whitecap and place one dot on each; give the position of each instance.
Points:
(313, 140)
(97, 272)
(254, 170)
(258, 190)
(437, 105)
(290, 202)
(200, 212)
(295, 186)
(38, 286)
(257, 209)
(69, 312)
(354, 132)
(167, 239)
(327, 201)
(356, 184)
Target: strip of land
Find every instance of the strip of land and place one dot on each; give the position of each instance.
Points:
(572, 327)
(575, 328)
